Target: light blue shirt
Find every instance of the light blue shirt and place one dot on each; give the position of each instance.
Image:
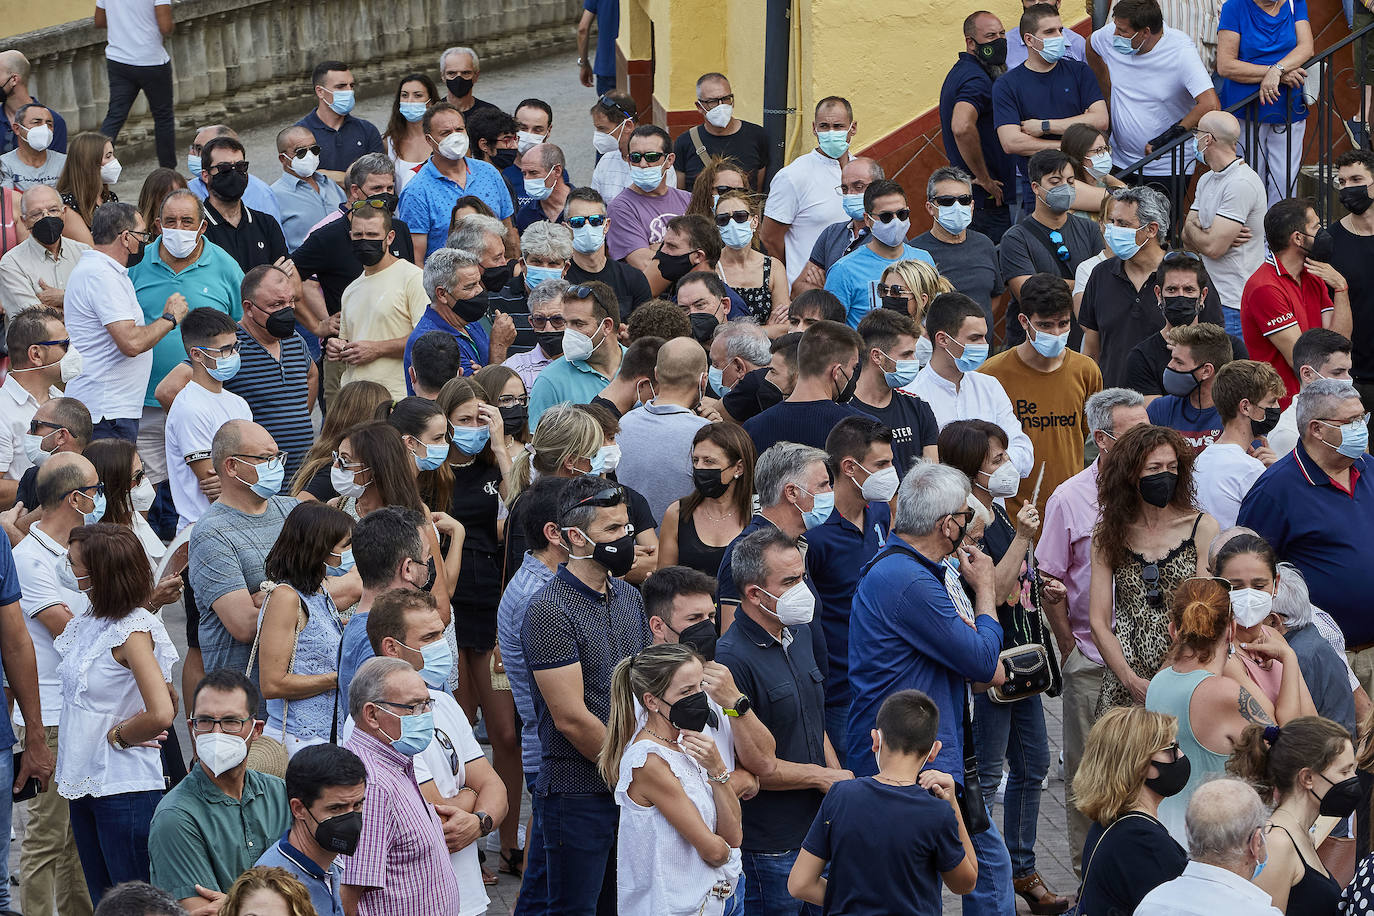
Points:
(564, 381)
(1076, 46)
(302, 206)
(257, 197)
(854, 278)
(323, 886)
(427, 202)
(528, 581)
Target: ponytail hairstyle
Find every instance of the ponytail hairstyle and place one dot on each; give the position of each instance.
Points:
(1200, 614)
(564, 434)
(1270, 758)
(409, 417)
(651, 671)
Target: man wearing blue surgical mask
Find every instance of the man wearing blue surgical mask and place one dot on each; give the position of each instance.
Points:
(889, 363)
(586, 217)
(966, 257)
(638, 215)
(1075, 48)
(542, 169)
(854, 278)
(342, 137)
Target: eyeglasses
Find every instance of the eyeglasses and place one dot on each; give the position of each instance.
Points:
(64, 343)
(344, 465)
(143, 236)
(1149, 574)
(723, 188)
(1062, 250)
(512, 400)
(541, 322)
(579, 292)
(35, 425)
(138, 477)
(37, 214)
(708, 104)
(614, 108)
(230, 725)
(1185, 258)
(270, 460)
(651, 157)
(968, 515)
(857, 187)
(739, 216)
(419, 708)
(602, 499)
(224, 168)
(893, 290)
(229, 350)
(99, 489)
(1172, 749)
(887, 217)
(577, 222)
(454, 763)
(949, 200)
(300, 153)
(1332, 421)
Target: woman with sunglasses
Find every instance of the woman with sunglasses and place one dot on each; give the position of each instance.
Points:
(117, 705)
(760, 279)
(405, 137)
(908, 287)
(1213, 699)
(1132, 761)
(90, 169)
(721, 174)
(357, 402)
(1144, 545)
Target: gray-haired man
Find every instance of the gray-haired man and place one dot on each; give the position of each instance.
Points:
(965, 256)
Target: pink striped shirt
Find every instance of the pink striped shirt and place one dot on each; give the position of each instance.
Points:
(401, 857)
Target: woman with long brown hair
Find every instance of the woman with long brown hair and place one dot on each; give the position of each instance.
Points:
(90, 169)
(1091, 156)
(404, 137)
(1145, 544)
(719, 175)
(356, 403)
(697, 528)
(760, 279)
(506, 391)
(159, 183)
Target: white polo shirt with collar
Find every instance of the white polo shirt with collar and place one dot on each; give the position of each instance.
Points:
(36, 561)
(977, 397)
(17, 407)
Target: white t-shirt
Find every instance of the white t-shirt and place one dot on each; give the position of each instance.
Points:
(1085, 270)
(1284, 437)
(1224, 473)
(192, 421)
(99, 293)
(436, 763)
(803, 196)
(135, 38)
(36, 561)
(1150, 93)
(1237, 193)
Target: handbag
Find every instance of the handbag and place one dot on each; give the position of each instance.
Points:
(1028, 657)
(268, 588)
(1028, 673)
(971, 803)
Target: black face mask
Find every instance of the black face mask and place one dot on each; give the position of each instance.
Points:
(369, 251)
(339, 834)
(896, 304)
(847, 391)
(469, 310)
(1171, 779)
(693, 712)
(1355, 199)
(673, 267)
(1158, 489)
(495, 278)
(1260, 428)
(281, 324)
(513, 419)
(458, 86)
(615, 556)
(386, 198)
(769, 393)
(228, 185)
(700, 637)
(703, 326)
(551, 342)
(1180, 311)
(504, 158)
(963, 530)
(47, 230)
(1339, 801)
(708, 482)
(993, 53)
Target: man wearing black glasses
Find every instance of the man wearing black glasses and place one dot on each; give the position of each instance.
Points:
(577, 629)
(305, 194)
(61, 425)
(965, 256)
(38, 348)
(586, 217)
(854, 278)
(639, 215)
(251, 236)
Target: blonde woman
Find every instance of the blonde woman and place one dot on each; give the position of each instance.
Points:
(678, 848)
(267, 891)
(1131, 762)
(909, 286)
(760, 279)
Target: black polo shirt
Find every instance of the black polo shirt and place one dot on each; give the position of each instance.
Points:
(1123, 316)
(327, 255)
(255, 241)
(1147, 359)
(787, 690)
(341, 148)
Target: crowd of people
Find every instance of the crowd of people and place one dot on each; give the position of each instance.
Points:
(750, 532)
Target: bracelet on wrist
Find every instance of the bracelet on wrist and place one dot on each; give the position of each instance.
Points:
(722, 779)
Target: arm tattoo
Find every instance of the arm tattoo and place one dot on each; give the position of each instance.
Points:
(1251, 709)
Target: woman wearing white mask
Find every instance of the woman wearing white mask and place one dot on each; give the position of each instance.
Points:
(90, 169)
(760, 279)
(129, 496)
(1011, 732)
(116, 672)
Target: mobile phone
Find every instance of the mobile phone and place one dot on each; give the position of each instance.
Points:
(30, 788)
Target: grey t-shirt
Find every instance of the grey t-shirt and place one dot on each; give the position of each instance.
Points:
(23, 176)
(970, 265)
(229, 552)
(656, 453)
(1236, 193)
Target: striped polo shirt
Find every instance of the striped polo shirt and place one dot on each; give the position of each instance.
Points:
(276, 391)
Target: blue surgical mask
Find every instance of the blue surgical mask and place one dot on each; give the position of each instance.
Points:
(972, 357)
(955, 218)
(470, 439)
(343, 102)
(536, 189)
(1049, 345)
(1354, 438)
(270, 477)
(646, 177)
(225, 368)
(438, 663)
(853, 205)
(1121, 240)
(1102, 163)
(834, 143)
(193, 165)
(413, 111)
(716, 378)
(737, 235)
(1123, 45)
(433, 457)
(417, 732)
(1054, 48)
(345, 563)
(1200, 154)
(903, 374)
(536, 275)
(588, 238)
(822, 505)
(97, 510)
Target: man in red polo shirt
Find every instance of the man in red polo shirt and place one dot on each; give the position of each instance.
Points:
(1289, 293)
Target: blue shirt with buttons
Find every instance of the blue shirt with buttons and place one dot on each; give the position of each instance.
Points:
(9, 594)
(322, 885)
(427, 201)
(341, 147)
(303, 205)
(473, 343)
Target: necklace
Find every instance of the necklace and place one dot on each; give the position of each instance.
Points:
(889, 781)
(462, 464)
(659, 737)
(718, 518)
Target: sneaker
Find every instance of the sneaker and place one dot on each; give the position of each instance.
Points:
(1358, 133)
(1001, 795)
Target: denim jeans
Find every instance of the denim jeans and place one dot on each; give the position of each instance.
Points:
(125, 428)
(992, 895)
(534, 883)
(1232, 317)
(1014, 732)
(6, 819)
(735, 905)
(111, 835)
(765, 888)
(579, 846)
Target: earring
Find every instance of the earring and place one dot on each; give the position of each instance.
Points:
(1230, 648)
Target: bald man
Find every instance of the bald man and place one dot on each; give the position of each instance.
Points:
(1226, 224)
(35, 271)
(14, 95)
(839, 239)
(305, 194)
(656, 438)
(258, 195)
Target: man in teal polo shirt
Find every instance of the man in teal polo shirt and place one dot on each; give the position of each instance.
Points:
(591, 350)
(181, 260)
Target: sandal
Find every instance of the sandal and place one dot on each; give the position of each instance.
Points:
(512, 862)
(488, 879)
(1042, 901)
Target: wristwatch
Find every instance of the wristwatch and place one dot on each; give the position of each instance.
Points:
(742, 706)
(1044, 128)
(484, 820)
(170, 317)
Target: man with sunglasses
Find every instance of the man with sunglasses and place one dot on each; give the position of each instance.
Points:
(305, 193)
(258, 194)
(62, 425)
(720, 134)
(250, 235)
(854, 278)
(577, 629)
(35, 272)
(38, 346)
(839, 239)
(614, 118)
(966, 257)
(638, 216)
(592, 352)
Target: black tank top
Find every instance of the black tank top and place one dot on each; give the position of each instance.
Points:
(694, 554)
(1316, 894)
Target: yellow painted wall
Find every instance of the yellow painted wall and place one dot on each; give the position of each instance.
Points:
(20, 17)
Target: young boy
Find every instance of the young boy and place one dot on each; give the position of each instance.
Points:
(1246, 394)
(887, 836)
(200, 409)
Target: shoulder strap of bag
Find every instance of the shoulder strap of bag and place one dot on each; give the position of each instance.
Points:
(1108, 829)
(695, 136)
(269, 588)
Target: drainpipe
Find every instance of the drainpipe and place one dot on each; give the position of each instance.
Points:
(776, 52)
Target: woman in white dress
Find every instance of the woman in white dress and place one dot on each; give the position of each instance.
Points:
(678, 849)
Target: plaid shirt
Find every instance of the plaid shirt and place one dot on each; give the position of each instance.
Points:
(401, 857)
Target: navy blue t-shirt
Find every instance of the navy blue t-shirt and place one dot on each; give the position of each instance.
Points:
(9, 594)
(804, 422)
(1064, 92)
(886, 845)
(1199, 425)
(968, 81)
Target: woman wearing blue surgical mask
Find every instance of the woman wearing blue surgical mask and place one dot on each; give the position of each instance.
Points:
(760, 279)
(1090, 153)
(721, 174)
(405, 136)
(299, 628)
